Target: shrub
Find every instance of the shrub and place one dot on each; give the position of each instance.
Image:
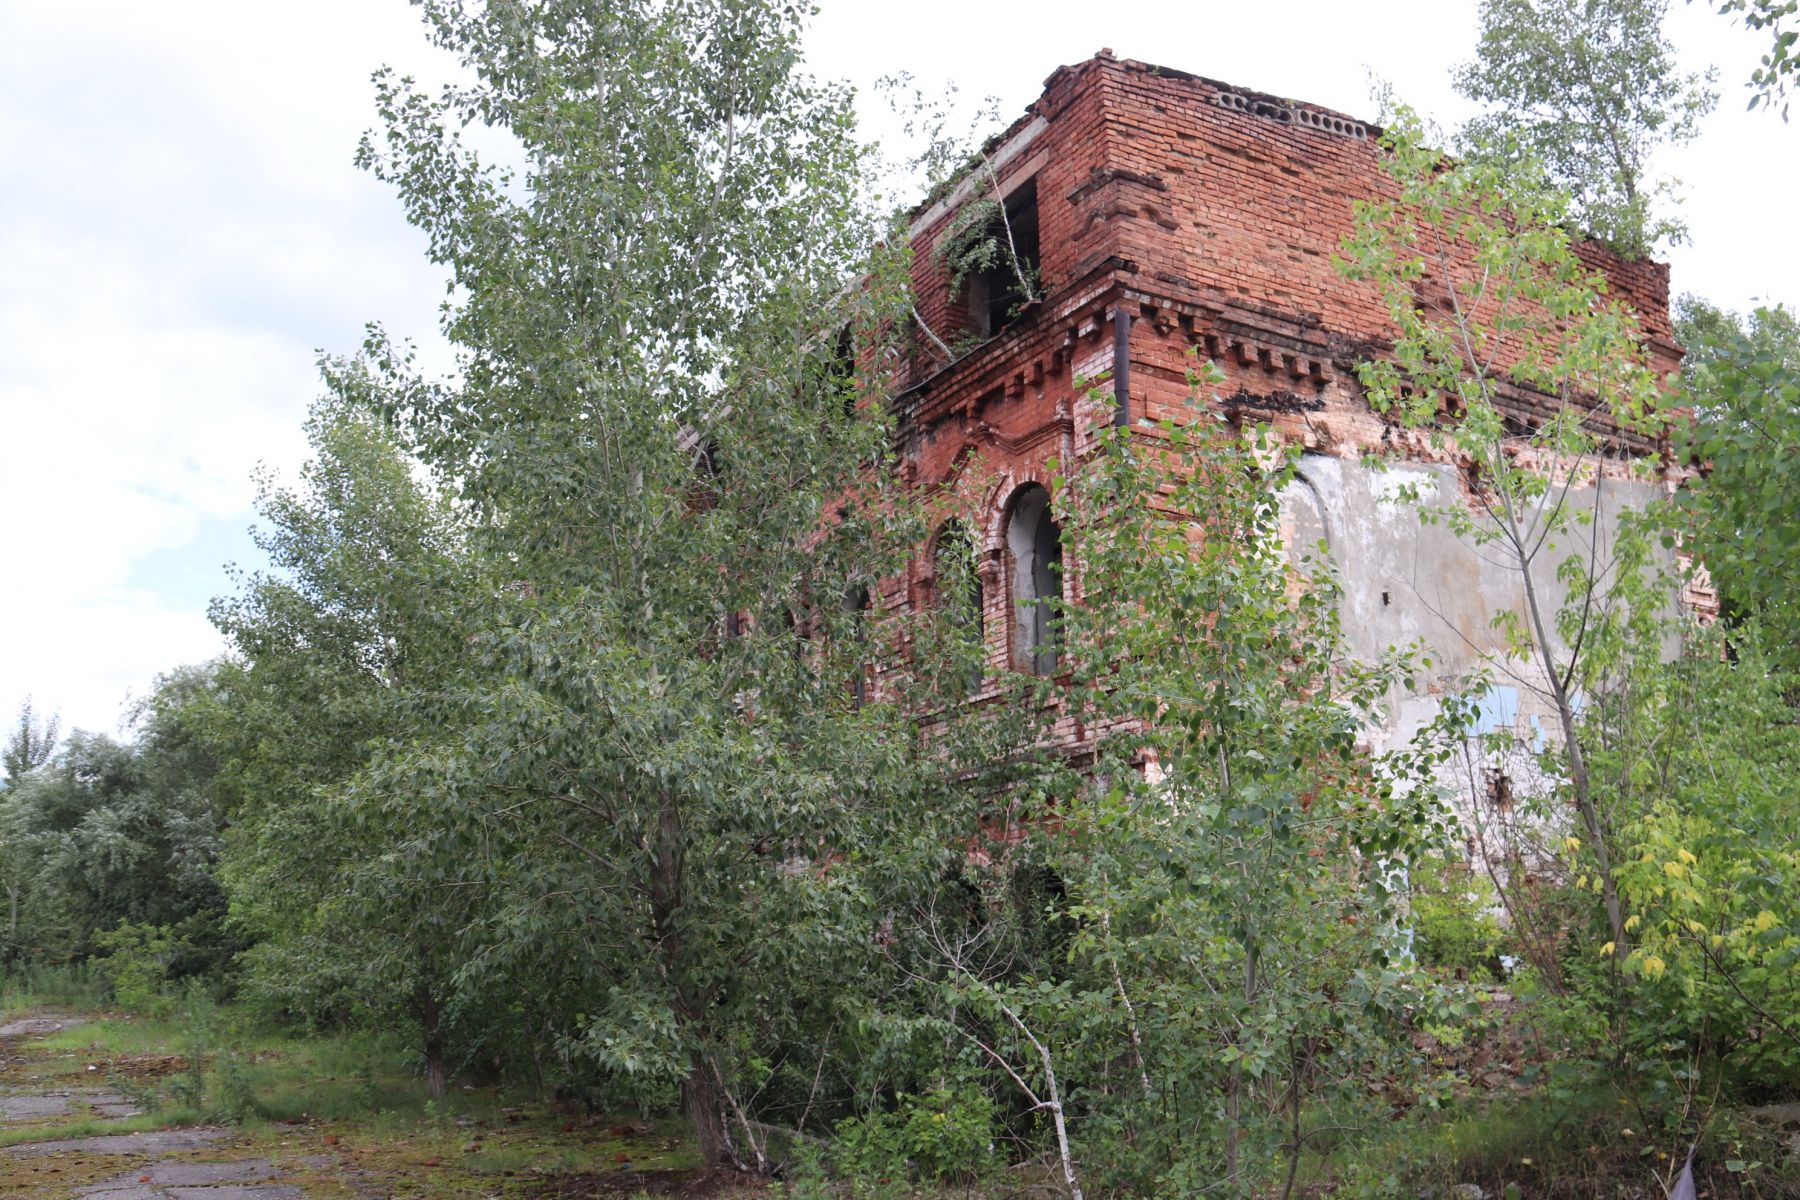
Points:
(136, 964)
(1453, 919)
(944, 1135)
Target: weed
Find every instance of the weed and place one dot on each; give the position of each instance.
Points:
(358, 1091)
(92, 1126)
(365, 1085)
(43, 985)
(189, 1085)
(142, 1093)
(235, 1097)
(137, 965)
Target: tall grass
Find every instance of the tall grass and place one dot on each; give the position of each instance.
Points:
(234, 1069)
(42, 985)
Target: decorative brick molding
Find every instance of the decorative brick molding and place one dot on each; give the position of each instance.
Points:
(1257, 106)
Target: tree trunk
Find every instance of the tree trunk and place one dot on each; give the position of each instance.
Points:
(1234, 1083)
(434, 1046)
(702, 1097)
(705, 1109)
(1579, 780)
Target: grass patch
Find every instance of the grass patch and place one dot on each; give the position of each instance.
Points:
(37, 985)
(352, 1106)
(115, 1035)
(207, 1058)
(96, 1126)
(1575, 1148)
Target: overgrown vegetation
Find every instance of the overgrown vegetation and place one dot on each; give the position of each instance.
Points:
(326, 1108)
(1589, 89)
(573, 755)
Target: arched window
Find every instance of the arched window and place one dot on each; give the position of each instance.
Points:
(956, 590)
(856, 603)
(1034, 541)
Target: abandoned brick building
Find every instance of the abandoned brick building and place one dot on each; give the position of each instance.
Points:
(1165, 212)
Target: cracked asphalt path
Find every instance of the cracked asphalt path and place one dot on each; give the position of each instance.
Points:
(151, 1165)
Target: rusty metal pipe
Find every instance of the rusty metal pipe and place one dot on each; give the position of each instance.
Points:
(1121, 367)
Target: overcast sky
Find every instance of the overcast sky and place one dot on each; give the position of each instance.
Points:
(181, 231)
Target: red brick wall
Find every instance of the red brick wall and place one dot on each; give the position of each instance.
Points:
(1211, 214)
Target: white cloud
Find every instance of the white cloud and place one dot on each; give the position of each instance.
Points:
(182, 230)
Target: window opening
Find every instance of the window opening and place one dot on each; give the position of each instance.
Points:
(856, 603)
(1499, 788)
(1035, 541)
(958, 591)
(1002, 263)
(708, 477)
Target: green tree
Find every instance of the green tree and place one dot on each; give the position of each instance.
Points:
(1770, 80)
(1651, 822)
(1590, 89)
(1194, 957)
(1511, 311)
(1234, 861)
(30, 745)
(1741, 377)
(346, 649)
(1700, 753)
(107, 832)
(693, 795)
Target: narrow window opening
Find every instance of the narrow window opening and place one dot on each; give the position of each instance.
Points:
(1516, 426)
(800, 628)
(1035, 542)
(957, 591)
(708, 478)
(856, 603)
